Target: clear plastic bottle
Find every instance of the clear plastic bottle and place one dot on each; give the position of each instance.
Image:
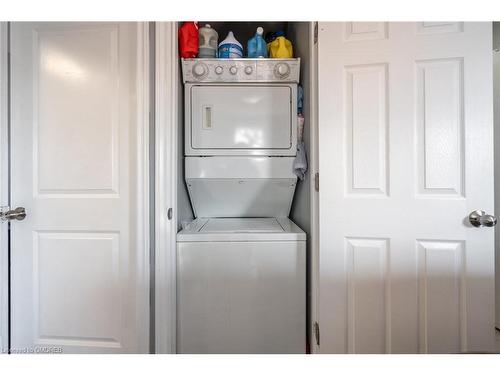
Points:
(256, 46)
(208, 39)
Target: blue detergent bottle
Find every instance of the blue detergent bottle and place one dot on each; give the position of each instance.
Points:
(256, 46)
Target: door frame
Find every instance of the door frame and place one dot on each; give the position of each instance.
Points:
(314, 342)
(166, 175)
(167, 78)
(143, 258)
(4, 188)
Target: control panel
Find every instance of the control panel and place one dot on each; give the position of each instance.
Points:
(241, 70)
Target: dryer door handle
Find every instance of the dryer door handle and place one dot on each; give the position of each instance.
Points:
(207, 117)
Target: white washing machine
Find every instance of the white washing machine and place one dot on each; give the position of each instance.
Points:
(241, 286)
(241, 271)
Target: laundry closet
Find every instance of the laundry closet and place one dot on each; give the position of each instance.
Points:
(243, 216)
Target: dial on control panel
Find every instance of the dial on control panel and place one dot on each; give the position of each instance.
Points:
(200, 70)
(233, 70)
(282, 70)
(218, 70)
(248, 70)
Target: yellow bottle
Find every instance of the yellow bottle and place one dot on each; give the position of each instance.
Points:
(280, 48)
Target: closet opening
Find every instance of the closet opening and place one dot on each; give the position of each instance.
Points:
(230, 195)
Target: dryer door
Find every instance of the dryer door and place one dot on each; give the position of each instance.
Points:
(241, 120)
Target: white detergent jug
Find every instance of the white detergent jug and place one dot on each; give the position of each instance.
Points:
(208, 38)
(230, 48)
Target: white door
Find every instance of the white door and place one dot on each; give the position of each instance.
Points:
(78, 270)
(405, 154)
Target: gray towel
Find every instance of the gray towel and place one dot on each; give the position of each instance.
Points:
(300, 162)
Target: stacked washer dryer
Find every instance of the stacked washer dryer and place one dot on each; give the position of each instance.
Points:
(241, 271)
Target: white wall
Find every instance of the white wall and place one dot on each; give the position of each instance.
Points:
(299, 34)
(184, 210)
(496, 35)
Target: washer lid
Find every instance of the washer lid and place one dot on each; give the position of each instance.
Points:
(242, 225)
(241, 229)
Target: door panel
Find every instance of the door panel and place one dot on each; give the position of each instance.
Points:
(366, 112)
(441, 279)
(440, 136)
(405, 154)
(74, 126)
(77, 73)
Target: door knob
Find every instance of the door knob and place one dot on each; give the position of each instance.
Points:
(18, 213)
(478, 218)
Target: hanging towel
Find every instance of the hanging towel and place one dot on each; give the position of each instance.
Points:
(300, 99)
(300, 162)
(300, 127)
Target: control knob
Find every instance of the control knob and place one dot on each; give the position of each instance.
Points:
(200, 70)
(282, 70)
(248, 70)
(218, 70)
(233, 70)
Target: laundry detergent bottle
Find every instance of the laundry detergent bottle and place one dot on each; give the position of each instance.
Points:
(188, 40)
(256, 46)
(281, 48)
(208, 39)
(230, 48)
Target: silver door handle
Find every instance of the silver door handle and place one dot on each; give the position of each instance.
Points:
(18, 213)
(478, 218)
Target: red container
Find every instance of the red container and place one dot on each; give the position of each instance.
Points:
(188, 39)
